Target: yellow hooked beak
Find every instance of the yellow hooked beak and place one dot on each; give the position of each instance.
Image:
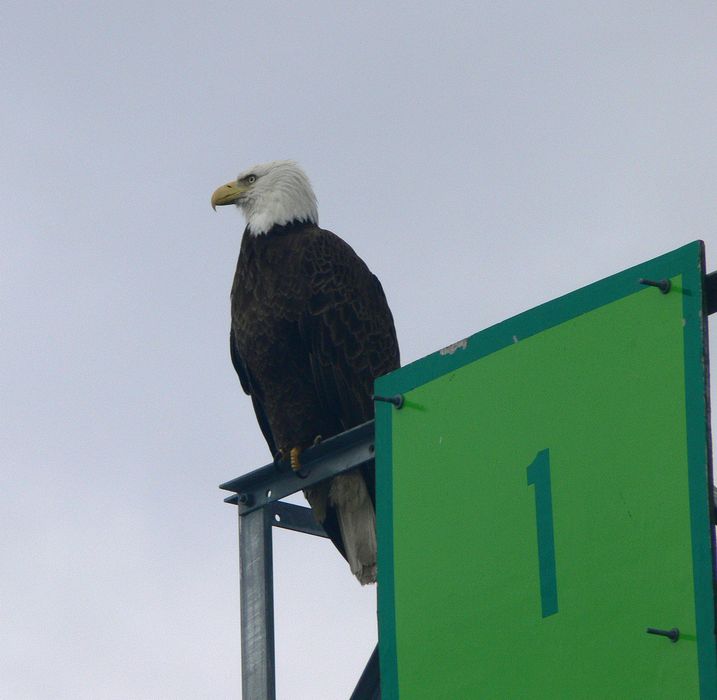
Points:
(227, 194)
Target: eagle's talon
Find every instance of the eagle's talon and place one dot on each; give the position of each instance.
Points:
(295, 462)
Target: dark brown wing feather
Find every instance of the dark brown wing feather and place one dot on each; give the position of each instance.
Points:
(347, 328)
(246, 384)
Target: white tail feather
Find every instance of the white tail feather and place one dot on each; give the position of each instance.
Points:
(357, 521)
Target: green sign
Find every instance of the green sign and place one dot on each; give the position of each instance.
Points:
(543, 498)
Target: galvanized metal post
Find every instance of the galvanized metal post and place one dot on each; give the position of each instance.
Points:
(257, 605)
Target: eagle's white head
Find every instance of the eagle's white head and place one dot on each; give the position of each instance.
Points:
(271, 194)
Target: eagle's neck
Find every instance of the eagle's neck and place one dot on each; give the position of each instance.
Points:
(288, 201)
(293, 226)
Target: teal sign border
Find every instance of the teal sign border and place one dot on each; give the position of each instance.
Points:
(687, 261)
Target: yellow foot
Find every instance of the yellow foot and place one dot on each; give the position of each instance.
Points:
(294, 453)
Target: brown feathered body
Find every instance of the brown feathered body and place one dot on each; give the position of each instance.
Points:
(310, 331)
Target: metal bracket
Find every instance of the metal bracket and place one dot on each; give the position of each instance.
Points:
(710, 292)
(297, 518)
(256, 496)
(273, 482)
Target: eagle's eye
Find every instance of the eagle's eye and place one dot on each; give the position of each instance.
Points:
(251, 179)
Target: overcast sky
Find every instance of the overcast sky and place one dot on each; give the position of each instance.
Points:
(482, 157)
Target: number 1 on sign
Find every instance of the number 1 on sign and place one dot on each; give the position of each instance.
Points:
(539, 476)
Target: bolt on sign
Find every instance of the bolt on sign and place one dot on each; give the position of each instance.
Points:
(543, 501)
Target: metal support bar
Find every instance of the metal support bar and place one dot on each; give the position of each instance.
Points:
(257, 605)
(368, 686)
(273, 482)
(710, 292)
(293, 517)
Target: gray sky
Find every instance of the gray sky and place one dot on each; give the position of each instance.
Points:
(482, 157)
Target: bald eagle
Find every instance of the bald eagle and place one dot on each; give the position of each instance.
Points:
(310, 331)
